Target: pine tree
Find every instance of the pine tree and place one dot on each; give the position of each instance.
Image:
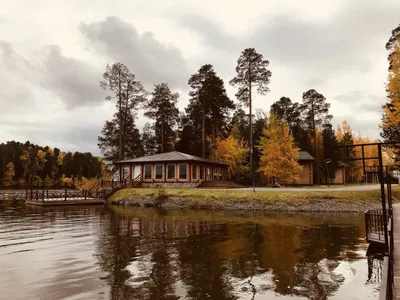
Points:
(279, 155)
(289, 112)
(315, 112)
(162, 108)
(252, 73)
(149, 140)
(129, 94)
(209, 105)
(108, 142)
(330, 150)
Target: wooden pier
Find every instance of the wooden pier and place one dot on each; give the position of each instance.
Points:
(63, 197)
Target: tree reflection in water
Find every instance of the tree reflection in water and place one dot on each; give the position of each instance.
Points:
(150, 254)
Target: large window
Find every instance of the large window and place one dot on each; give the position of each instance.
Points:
(159, 171)
(148, 172)
(194, 172)
(202, 172)
(182, 171)
(171, 171)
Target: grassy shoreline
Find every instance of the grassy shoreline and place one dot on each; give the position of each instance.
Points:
(280, 200)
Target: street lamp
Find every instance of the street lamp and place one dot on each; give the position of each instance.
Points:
(327, 161)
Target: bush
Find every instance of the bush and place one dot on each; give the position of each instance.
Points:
(20, 183)
(48, 182)
(37, 181)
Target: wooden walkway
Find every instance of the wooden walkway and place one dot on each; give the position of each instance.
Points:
(396, 252)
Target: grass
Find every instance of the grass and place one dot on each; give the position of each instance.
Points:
(237, 199)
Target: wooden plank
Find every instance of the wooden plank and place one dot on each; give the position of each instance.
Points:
(376, 238)
(396, 252)
(383, 287)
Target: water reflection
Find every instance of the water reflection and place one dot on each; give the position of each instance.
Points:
(140, 253)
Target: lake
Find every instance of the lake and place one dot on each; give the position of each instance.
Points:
(141, 253)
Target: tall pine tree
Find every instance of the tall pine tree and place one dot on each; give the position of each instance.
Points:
(162, 109)
(129, 94)
(252, 73)
(315, 112)
(209, 106)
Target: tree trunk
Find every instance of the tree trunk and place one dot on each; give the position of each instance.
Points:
(162, 136)
(315, 150)
(121, 153)
(203, 133)
(213, 143)
(251, 133)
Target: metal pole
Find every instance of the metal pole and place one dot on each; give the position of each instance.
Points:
(363, 160)
(383, 197)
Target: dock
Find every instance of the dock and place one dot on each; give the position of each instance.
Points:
(63, 197)
(396, 252)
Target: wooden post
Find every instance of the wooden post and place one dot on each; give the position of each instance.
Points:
(65, 195)
(85, 193)
(130, 175)
(42, 195)
(26, 194)
(37, 195)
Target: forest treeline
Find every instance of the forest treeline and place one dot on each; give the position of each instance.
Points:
(30, 165)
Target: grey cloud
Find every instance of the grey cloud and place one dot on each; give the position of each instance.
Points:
(362, 102)
(148, 58)
(16, 73)
(71, 136)
(74, 81)
(348, 40)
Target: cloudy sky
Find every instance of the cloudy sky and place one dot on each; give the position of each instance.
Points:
(53, 54)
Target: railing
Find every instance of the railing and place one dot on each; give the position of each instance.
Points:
(126, 182)
(386, 289)
(43, 195)
(374, 224)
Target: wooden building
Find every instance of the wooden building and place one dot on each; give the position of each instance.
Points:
(171, 169)
(306, 175)
(340, 175)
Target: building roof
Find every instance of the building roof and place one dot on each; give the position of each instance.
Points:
(173, 156)
(304, 155)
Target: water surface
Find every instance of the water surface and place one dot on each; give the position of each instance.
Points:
(135, 253)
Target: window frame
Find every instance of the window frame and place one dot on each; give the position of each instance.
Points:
(179, 172)
(151, 172)
(167, 176)
(202, 174)
(155, 172)
(195, 172)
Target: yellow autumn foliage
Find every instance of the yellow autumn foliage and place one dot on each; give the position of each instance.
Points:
(233, 152)
(392, 116)
(279, 156)
(60, 158)
(9, 174)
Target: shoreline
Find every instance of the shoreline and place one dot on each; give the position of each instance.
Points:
(236, 200)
